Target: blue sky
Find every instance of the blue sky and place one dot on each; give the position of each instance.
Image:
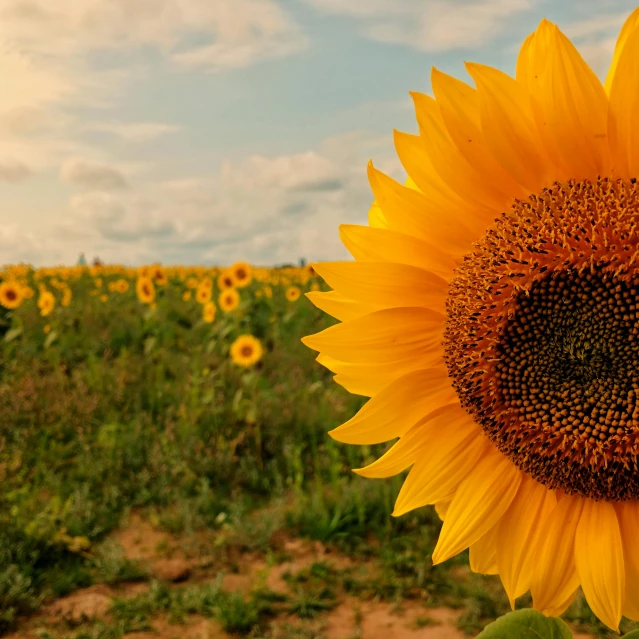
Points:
(206, 131)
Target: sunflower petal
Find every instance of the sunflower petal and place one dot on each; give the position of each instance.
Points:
(480, 501)
(555, 580)
(384, 284)
(339, 306)
(509, 128)
(368, 244)
(624, 106)
(396, 408)
(628, 513)
(518, 536)
(631, 23)
(601, 574)
(483, 554)
(376, 218)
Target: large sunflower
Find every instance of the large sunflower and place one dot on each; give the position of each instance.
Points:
(492, 316)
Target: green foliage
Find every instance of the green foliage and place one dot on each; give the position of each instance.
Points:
(526, 624)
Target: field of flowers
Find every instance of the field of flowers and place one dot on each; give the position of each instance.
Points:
(165, 469)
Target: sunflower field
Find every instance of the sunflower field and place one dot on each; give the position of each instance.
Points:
(165, 469)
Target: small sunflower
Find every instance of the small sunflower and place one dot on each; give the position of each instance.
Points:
(293, 293)
(11, 294)
(203, 294)
(492, 316)
(145, 289)
(67, 296)
(246, 351)
(47, 329)
(46, 302)
(208, 312)
(104, 298)
(226, 280)
(186, 296)
(229, 300)
(159, 275)
(121, 286)
(242, 274)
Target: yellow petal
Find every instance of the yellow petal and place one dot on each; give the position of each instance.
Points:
(572, 105)
(519, 533)
(339, 306)
(461, 176)
(555, 580)
(509, 128)
(629, 26)
(395, 409)
(368, 244)
(599, 560)
(624, 106)
(483, 554)
(459, 107)
(365, 379)
(480, 501)
(454, 447)
(441, 508)
(411, 445)
(409, 211)
(385, 284)
(628, 513)
(393, 335)
(376, 218)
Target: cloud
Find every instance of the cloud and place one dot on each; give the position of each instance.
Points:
(260, 208)
(203, 34)
(12, 171)
(428, 25)
(135, 131)
(88, 175)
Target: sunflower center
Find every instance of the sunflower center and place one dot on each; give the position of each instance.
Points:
(11, 295)
(542, 337)
(246, 351)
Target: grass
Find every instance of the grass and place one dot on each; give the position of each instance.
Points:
(131, 409)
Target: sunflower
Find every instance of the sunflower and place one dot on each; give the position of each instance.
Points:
(186, 296)
(225, 280)
(242, 274)
(293, 293)
(228, 300)
(11, 294)
(246, 351)
(204, 293)
(104, 298)
(159, 275)
(121, 286)
(67, 296)
(492, 316)
(208, 312)
(145, 289)
(46, 302)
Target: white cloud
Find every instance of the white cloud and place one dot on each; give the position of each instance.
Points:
(135, 131)
(12, 171)
(89, 175)
(429, 25)
(207, 34)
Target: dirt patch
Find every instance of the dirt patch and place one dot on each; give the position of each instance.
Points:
(89, 603)
(371, 620)
(196, 628)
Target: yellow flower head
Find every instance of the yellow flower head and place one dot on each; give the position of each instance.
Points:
(242, 274)
(208, 312)
(228, 300)
(225, 280)
(159, 275)
(46, 302)
(11, 294)
(293, 293)
(204, 292)
(186, 296)
(246, 351)
(491, 316)
(104, 298)
(145, 290)
(47, 329)
(121, 286)
(67, 296)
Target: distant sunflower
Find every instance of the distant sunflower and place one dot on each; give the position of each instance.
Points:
(203, 294)
(145, 290)
(225, 280)
(121, 286)
(293, 293)
(246, 351)
(492, 315)
(159, 275)
(186, 296)
(229, 300)
(46, 302)
(67, 296)
(242, 274)
(104, 298)
(208, 312)
(11, 294)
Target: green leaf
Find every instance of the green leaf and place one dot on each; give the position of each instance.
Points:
(12, 334)
(51, 337)
(632, 635)
(526, 624)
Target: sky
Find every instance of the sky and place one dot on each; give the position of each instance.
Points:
(210, 131)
